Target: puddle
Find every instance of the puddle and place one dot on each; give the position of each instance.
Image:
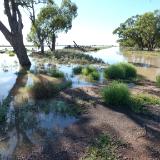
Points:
(34, 124)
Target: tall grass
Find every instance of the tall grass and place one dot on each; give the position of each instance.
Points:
(120, 71)
(116, 94)
(55, 73)
(41, 90)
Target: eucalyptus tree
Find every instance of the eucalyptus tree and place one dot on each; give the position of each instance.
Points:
(142, 31)
(51, 20)
(13, 34)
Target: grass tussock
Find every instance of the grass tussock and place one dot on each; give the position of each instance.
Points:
(55, 73)
(44, 90)
(120, 71)
(90, 72)
(117, 94)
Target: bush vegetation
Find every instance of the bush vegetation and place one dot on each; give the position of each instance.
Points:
(89, 72)
(46, 90)
(116, 94)
(77, 70)
(120, 71)
(55, 73)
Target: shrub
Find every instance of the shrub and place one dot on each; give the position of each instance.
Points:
(88, 70)
(137, 104)
(130, 70)
(114, 72)
(77, 70)
(47, 90)
(158, 80)
(55, 73)
(94, 76)
(120, 71)
(116, 94)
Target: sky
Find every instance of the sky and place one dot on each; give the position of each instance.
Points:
(95, 22)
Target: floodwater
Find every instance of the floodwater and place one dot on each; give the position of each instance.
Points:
(35, 124)
(147, 66)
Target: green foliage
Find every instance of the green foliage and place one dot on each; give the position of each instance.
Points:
(11, 53)
(120, 71)
(91, 72)
(139, 102)
(158, 80)
(55, 73)
(102, 149)
(114, 72)
(130, 70)
(116, 94)
(48, 90)
(51, 20)
(77, 70)
(94, 76)
(140, 31)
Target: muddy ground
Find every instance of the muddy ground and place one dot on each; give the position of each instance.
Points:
(139, 135)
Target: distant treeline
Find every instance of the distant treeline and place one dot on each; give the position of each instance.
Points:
(140, 31)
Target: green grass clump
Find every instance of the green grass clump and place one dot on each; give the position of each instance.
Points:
(158, 80)
(56, 73)
(139, 102)
(46, 90)
(88, 70)
(116, 94)
(11, 53)
(91, 73)
(130, 70)
(120, 71)
(77, 70)
(102, 149)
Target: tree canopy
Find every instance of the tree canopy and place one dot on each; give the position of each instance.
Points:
(51, 20)
(141, 31)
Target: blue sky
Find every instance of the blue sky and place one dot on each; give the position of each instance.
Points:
(96, 20)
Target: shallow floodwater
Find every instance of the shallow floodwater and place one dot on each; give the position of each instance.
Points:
(29, 126)
(147, 66)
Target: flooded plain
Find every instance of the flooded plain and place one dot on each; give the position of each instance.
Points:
(36, 123)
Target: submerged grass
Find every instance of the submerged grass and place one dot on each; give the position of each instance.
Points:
(90, 72)
(68, 56)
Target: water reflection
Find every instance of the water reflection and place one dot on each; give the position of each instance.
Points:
(147, 66)
(31, 123)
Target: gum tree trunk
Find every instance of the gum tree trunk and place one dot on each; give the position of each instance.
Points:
(14, 36)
